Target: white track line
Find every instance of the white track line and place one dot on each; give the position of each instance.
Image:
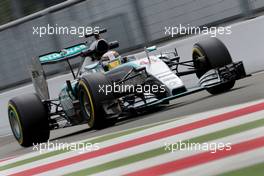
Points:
(184, 120)
(224, 165)
(156, 144)
(135, 135)
(180, 154)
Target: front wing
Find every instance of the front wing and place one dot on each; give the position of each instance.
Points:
(214, 77)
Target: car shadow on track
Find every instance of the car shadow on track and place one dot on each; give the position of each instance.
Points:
(74, 133)
(172, 106)
(146, 114)
(168, 107)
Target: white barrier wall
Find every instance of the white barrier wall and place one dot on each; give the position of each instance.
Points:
(129, 21)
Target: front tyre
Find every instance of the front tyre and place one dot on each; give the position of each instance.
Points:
(28, 118)
(91, 101)
(209, 54)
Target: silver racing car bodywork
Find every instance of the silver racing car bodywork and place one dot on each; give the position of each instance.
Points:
(161, 72)
(153, 65)
(113, 86)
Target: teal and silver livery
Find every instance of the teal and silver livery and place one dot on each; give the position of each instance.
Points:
(66, 53)
(113, 86)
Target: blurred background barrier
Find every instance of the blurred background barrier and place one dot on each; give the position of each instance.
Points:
(134, 23)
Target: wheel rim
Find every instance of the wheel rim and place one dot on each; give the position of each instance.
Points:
(196, 55)
(14, 124)
(86, 104)
(200, 65)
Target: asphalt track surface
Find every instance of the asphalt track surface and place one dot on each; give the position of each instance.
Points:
(248, 89)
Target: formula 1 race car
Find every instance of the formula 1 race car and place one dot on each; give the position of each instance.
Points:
(113, 86)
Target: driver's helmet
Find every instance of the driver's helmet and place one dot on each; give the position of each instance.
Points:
(111, 59)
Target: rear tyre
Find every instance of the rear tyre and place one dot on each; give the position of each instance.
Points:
(28, 118)
(91, 100)
(209, 54)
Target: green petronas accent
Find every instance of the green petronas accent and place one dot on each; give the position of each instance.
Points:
(95, 140)
(256, 170)
(63, 55)
(160, 151)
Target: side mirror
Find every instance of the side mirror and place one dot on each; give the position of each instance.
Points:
(92, 66)
(114, 44)
(152, 48)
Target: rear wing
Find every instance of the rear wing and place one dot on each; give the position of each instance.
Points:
(63, 55)
(67, 53)
(37, 73)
